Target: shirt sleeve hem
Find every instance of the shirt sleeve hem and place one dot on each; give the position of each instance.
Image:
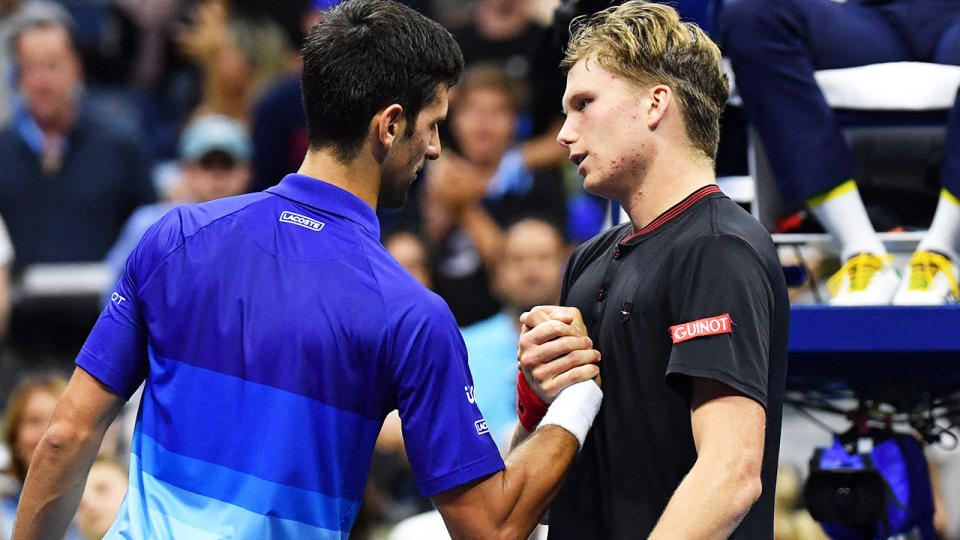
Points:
(472, 471)
(753, 392)
(102, 372)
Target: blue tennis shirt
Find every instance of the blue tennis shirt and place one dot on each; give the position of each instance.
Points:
(274, 333)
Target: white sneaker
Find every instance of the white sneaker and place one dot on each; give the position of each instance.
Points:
(929, 280)
(866, 279)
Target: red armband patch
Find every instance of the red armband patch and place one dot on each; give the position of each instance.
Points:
(721, 324)
(530, 408)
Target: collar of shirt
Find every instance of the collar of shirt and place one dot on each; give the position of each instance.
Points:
(326, 197)
(28, 129)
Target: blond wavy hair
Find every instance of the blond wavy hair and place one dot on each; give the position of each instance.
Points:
(649, 45)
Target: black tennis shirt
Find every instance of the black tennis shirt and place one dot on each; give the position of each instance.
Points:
(705, 262)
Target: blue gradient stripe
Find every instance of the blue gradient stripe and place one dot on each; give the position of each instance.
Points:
(171, 512)
(243, 490)
(259, 430)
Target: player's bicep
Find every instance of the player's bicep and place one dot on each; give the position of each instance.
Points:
(727, 424)
(87, 405)
(464, 508)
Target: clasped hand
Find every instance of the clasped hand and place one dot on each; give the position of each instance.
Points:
(555, 351)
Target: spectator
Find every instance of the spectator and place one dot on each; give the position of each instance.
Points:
(102, 496)
(153, 20)
(279, 132)
(469, 198)
(506, 33)
(527, 274)
(279, 124)
(410, 251)
(26, 418)
(68, 180)
(214, 159)
(238, 57)
(11, 12)
(775, 46)
(500, 31)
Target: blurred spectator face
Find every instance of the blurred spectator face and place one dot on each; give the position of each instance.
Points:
(49, 73)
(410, 252)
(483, 123)
(35, 416)
(33, 423)
(530, 271)
(102, 497)
(214, 157)
(26, 418)
(216, 175)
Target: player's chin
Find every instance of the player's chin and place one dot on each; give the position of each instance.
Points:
(591, 185)
(598, 185)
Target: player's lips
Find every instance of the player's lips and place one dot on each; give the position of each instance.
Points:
(577, 159)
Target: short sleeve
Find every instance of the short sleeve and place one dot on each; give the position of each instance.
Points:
(446, 437)
(721, 304)
(115, 352)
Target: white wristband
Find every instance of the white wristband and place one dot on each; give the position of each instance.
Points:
(574, 408)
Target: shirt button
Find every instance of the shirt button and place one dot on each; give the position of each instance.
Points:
(600, 295)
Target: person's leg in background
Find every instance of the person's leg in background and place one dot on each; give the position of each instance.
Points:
(775, 46)
(931, 276)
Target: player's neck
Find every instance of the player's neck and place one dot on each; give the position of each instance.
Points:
(359, 176)
(667, 182)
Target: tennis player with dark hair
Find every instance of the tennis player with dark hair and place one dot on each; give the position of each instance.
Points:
(274, 333)
(686, 302)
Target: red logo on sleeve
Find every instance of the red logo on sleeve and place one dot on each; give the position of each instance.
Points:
(704, 327)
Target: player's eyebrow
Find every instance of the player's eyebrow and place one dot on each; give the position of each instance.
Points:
(570, 99)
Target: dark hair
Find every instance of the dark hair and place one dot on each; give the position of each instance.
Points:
(366, 55)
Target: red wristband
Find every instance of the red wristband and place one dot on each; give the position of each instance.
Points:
(530, 408)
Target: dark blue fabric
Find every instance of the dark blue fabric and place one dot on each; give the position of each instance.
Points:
(279, 133)
(776, 45)
(76, 213)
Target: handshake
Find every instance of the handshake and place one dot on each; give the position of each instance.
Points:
(557, 362)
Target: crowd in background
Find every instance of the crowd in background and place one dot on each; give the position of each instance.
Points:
(115, 111)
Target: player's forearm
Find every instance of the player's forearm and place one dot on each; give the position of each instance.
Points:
(55, 482)
(509, 504)
(710, 501)
(516, 497)
(519, 435)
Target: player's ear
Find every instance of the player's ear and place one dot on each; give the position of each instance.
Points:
(389, 124)
(660, 98)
